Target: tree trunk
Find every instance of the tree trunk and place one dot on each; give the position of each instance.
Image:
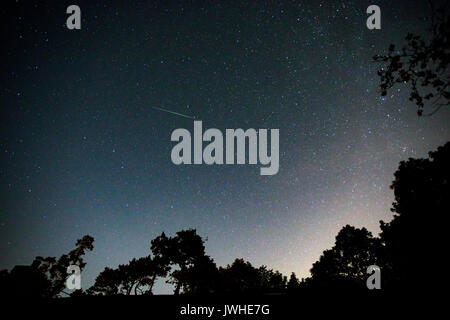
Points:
(153, 282)
(177, 289)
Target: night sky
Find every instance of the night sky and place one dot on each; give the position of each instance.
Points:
(83, 151)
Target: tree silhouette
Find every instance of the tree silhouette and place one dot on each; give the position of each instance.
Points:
(201, 278)
(24, 281)
(414, 239)
(239, 277)
(422, 64)
(136, 277)
(270, 280)
(409, 249)
(293, 284)
(345, 264)
(46, 277)
(185, 251)
(242, 277)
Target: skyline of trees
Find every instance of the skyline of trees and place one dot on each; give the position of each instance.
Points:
(406, 244)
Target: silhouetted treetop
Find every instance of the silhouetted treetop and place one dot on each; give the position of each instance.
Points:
(345, 264)
(242, 277)
(186, 251)
(421, 63)
(293, 283)
(136, 277)
(415, 237)
(46, 276)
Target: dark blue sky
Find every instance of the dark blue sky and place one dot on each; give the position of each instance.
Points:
(84, 152)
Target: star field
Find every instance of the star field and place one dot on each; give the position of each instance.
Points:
(84, 152)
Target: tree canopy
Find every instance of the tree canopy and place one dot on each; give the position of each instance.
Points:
(416, 235)
(345, 264)
(423, 63)
(136, 277)
(46, 276)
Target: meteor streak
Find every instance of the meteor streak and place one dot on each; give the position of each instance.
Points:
(173, 112)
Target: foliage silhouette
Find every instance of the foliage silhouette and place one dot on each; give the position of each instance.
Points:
(186, 252)
(46, 277)
(201, 278)
(421, 63)
(238, 277)
(406, 250)
(345, 264)
(137, 277)
(409, 245)
(293, 284)
(242, 277)
(414, 239)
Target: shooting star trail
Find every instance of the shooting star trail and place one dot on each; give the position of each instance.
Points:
(173, 112)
